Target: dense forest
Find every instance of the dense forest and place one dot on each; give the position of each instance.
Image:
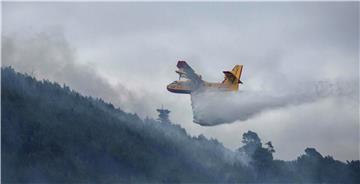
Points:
(52, 134)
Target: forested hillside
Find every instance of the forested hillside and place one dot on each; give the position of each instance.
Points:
(52, 134)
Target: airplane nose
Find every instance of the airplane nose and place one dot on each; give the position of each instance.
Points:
(169, 87)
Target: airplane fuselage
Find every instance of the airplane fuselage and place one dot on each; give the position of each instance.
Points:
(186, 87)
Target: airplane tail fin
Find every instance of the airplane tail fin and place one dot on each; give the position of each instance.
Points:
(233, 77)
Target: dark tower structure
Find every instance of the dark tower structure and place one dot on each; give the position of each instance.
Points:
(163, 115)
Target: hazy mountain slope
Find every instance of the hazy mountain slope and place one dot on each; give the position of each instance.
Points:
(54, 134)
(51, 134)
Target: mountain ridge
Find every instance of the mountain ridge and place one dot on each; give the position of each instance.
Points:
(53, 134)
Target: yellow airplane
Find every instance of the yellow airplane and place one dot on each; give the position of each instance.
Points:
(193, 81)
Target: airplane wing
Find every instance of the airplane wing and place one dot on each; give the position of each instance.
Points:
(186, 71)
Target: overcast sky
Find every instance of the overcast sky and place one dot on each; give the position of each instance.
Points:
(126, 53)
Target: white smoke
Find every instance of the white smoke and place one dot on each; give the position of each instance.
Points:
(213, 108)
(50, 56)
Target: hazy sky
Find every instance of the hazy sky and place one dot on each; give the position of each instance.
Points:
(126, 53)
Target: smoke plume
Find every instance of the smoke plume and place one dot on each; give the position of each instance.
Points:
(50, 56)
